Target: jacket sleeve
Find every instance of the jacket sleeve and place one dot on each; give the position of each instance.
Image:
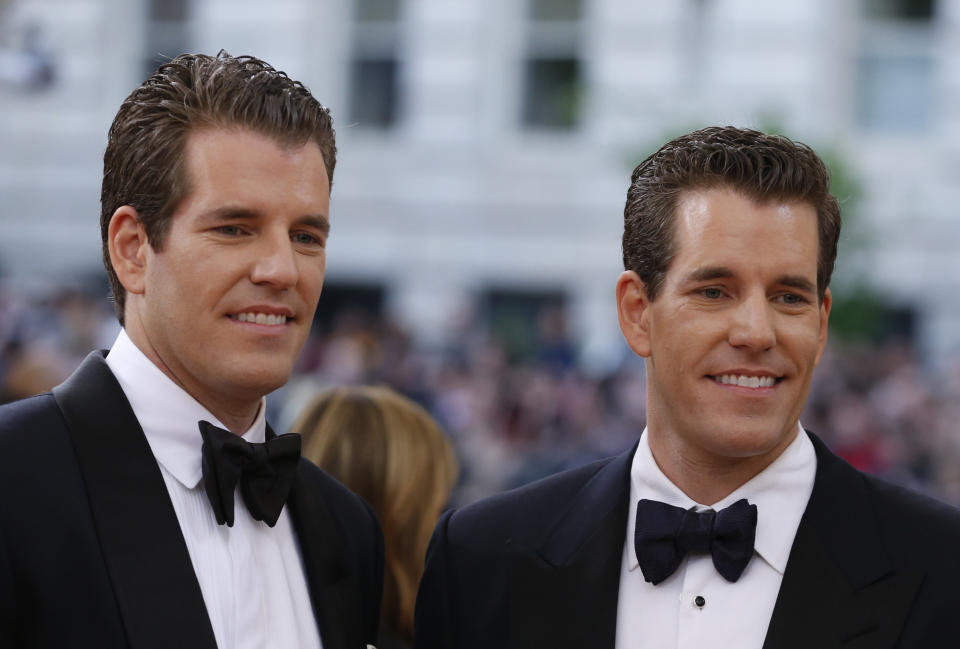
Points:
(434, 616)
(7, 600)
(373, 621)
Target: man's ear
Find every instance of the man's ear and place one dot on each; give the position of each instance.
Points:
(127, 243)
(633, 311)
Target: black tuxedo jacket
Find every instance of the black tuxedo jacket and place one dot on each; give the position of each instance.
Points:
(872, 566)
(91, 553)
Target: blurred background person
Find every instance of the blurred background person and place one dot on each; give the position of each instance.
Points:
(388, 450)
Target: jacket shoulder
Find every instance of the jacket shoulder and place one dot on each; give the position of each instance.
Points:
(28, 422)
(23, 411)
(909, 518)
(913, 527)
(525, 513)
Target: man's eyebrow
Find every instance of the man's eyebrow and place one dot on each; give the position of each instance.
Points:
(707, 273)
(231, 213)
(318, 221)
(798, 282)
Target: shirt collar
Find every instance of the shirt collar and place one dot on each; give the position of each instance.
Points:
(780, 492)
(167, 413)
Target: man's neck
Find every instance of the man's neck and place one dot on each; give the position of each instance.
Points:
(237, 423)
(706, 478)
(237, 415)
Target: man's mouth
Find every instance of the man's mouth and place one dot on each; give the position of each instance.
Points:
(744, 381)
(260, 318)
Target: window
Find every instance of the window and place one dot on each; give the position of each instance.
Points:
(900, 9)
(896, 67)
(166, 35)
(555, 10)
(552, 70)
(375, 68)
(551, 93)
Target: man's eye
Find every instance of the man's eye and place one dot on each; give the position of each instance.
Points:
(307, 239)
(229, 230)
(712, 293)
(792, 299)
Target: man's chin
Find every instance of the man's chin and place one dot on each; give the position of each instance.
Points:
(753, 440)
(252, 384)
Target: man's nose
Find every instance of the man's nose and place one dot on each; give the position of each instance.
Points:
(276, 263)
(752, 326)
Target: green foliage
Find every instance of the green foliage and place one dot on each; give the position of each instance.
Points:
(858, 315)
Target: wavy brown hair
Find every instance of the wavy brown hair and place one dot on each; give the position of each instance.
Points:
(390, 451)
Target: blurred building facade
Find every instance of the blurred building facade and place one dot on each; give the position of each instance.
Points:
(486, 145)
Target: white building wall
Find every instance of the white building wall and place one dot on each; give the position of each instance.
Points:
(458, 196)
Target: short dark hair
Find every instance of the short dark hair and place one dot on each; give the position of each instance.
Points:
(760, 166)
(143, 164)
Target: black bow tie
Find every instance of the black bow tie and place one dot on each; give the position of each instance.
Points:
(265, 472)
(665, 534)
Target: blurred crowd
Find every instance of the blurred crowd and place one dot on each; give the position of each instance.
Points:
(516, 416)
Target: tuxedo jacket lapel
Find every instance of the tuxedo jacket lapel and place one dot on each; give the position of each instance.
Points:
(839, 588)
(563, 591)
(143, 548)
(323, 546)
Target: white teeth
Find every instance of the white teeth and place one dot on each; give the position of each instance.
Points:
(746, 381)
(262, 318)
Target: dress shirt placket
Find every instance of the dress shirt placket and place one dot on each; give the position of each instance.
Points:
(251, 621)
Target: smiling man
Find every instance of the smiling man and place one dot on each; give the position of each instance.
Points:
(147, 503)
(728, 524)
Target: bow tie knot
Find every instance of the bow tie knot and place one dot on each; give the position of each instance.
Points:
(696, 530)
(665, 534)
(265, 472)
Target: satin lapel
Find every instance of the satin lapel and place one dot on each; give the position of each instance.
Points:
(143, 548)
(840, 588)
(323, 546)
(563, 593)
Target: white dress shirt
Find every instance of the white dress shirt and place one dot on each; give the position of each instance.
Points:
(251, 575)
(666, 616)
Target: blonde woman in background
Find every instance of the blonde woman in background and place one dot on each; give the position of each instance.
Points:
(390, 451)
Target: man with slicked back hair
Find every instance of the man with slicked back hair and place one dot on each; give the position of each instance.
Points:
(727, 524)
(146, 501)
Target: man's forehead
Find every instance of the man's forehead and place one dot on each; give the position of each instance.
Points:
(724, 208)
(217, 148)
(697, 200)
(200, 139)
(721, 228)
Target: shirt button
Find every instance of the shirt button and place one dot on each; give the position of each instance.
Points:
(699, 601)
